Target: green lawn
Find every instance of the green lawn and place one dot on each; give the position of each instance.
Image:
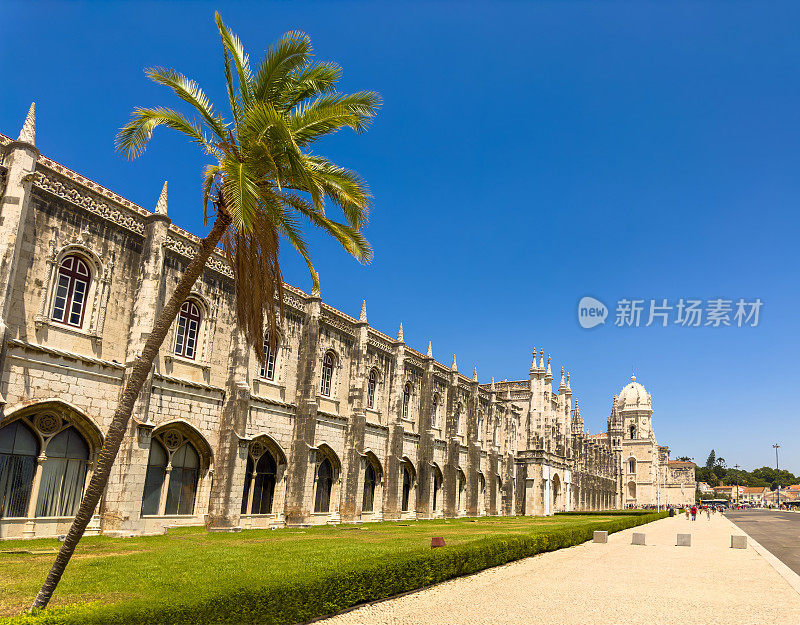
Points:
(190, 567)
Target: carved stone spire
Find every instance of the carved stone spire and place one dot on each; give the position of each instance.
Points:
(549, 373)
(400, 333)
(541, 359)
(315, 291)
(561, 385)
(493, 388)
(430, 350)
(454, 366)
(28, 132)
(569, 388)
(362, 317)
(161, 206)
(475, 374)
(533, 364)
(577, 421)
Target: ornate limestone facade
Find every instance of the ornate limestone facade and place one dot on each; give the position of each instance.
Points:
(343, 423)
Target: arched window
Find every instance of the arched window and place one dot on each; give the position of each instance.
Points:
(406, 399)
(182, 464)
(18, 451)
(435, 411)
(406, 488)
(370, 479)
(188, 328)
(371, 383)
(437, 485)
(183, 480)
(499, 495)
(632, 465)
(71, 289)
(480, 426)
(633, 432)
(154, 480)
(322, 501)
(63, 475)
(462, 486)
(460, 418)
(261, 482)
(327, 375)
(267, 370)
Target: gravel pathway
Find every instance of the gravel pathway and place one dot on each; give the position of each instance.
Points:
(708, 583)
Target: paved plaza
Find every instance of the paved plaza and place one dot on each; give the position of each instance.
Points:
(708, 583)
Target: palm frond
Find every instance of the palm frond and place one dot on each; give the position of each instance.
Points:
(231, 42)
(351, 239)
(310, 81)
(132, 138)
(242, 194)
(274, 73)
(331, 112)
(344, 187)
(189, 91)
(233, 97)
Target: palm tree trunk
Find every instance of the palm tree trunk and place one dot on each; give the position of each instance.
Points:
(119, 424)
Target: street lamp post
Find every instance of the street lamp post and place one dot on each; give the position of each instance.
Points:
(736, 466)
(777, 479)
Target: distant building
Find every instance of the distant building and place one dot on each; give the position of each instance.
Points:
(753, 495)
(704, 487)
(732, 492)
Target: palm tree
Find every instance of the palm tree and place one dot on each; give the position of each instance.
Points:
(263, 183)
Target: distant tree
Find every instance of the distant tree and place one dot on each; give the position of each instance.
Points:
(711, 460)
(684, 459)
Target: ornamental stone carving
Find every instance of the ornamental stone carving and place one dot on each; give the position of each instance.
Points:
(60, 187)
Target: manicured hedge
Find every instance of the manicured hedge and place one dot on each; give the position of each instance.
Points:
(607, 513)
(330, 593)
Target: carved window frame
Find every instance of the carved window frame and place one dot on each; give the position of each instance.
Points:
(205, 333)
(97, 293)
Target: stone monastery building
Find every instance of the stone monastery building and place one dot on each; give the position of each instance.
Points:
(342, 424)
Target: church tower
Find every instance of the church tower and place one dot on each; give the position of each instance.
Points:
(632, 415)
(634, 406)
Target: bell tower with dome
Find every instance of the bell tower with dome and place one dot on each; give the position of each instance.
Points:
(647, 476)
(635, 407)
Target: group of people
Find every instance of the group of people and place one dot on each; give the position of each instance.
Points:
(693, 510)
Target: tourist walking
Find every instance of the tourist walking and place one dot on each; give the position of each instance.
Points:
(694, 513)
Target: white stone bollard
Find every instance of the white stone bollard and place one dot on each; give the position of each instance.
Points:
(684, 540)
(638, 539)
(601, 537)
(738, 542)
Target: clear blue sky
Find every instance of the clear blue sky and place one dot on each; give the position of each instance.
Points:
(528, 154)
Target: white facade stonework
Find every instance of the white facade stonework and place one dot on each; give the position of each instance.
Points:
(383, 432)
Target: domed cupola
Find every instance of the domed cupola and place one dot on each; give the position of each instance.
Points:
(634, 396)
